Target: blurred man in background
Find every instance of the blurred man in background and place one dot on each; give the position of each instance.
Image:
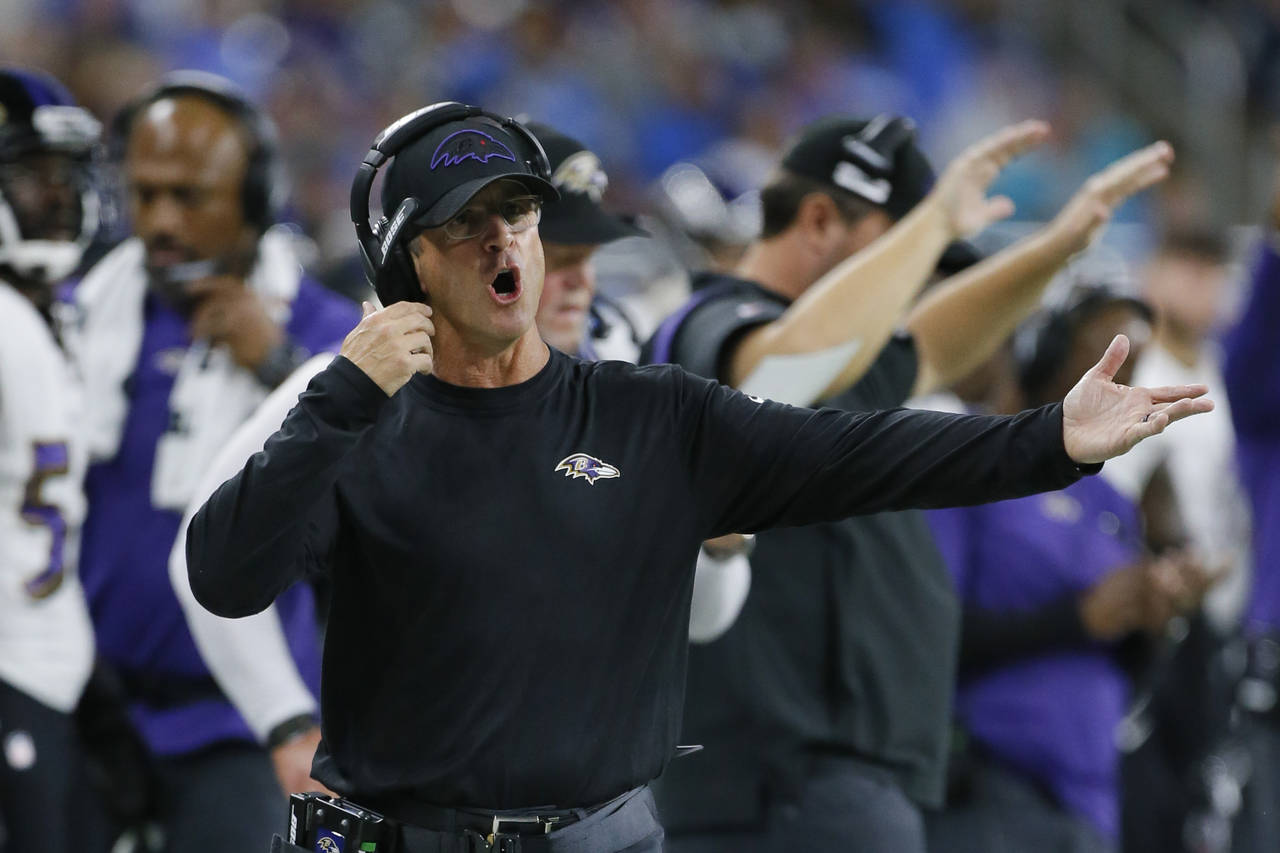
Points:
(48, 215)
(1045, 652)
(1185, 282)
(572, 316)
(839, 735)
(1252, 372)
(1190, 493)
(185, 328)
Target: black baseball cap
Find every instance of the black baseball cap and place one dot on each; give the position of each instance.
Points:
(451, 163)
(577, 218)
(875, 159)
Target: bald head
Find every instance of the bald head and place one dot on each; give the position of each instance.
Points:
(185, 163)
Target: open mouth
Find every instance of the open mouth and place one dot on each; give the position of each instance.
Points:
(506, 287)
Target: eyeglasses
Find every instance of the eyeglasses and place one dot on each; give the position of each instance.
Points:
(520, 212)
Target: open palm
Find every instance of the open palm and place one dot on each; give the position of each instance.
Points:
(1101, 419)
(962, 187)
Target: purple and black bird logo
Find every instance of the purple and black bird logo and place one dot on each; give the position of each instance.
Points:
(469, 144)
(582, 465)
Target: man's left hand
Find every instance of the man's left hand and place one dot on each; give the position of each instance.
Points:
(1083, 217)
(1101, 419)
(228, 312)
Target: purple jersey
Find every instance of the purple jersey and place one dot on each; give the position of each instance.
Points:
(1252, 371)
(140, 626)
(1050, 716)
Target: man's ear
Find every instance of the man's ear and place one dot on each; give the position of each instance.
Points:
(817, 213)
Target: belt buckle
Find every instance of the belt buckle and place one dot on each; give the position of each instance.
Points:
(496, 834)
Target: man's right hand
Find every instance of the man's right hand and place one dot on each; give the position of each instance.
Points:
(962, 188)
(392, 344)
(1084, 216)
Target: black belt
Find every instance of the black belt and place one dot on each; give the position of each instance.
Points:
(447, 819)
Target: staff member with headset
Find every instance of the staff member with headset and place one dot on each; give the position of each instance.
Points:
(184, 329)
(511, 532)
(246, 657)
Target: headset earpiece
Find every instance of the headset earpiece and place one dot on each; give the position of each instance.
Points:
(394, 276)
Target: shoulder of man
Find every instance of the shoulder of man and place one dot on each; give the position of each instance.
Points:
(700, 335)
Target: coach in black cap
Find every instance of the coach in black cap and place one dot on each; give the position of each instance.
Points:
(839, 736)
(510, 532)
(570, 317)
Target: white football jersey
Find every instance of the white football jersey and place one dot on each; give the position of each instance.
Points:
(46, 640)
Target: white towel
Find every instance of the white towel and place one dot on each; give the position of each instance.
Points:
(211, 395)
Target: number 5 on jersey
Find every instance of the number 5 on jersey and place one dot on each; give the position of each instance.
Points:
(51, 460)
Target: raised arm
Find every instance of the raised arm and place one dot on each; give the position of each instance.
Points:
(959, 324)
(269, 524)
(856, 306)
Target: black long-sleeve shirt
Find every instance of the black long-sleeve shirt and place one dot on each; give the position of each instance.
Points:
(512, 567)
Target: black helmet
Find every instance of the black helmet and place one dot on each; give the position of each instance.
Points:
(39, 240)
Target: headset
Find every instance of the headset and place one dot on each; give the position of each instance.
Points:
(265, 186)
(383, 251)
(1041, 347)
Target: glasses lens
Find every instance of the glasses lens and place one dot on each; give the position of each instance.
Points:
(519, 212)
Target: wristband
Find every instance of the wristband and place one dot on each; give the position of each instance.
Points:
(291, 729)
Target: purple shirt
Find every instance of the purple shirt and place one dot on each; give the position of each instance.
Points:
(1052, 716)
(124, 559)
(1252, 372)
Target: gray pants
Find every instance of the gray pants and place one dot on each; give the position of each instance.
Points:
(1005, 814)
(842, 806)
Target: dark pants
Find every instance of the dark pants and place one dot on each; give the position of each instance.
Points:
(38, 758)
(842, 805)
(1004, 814)
(1258, 825)
(223, 799)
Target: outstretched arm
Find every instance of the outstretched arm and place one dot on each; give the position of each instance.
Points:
(857, 305)
(761, 464)
(960, 324)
